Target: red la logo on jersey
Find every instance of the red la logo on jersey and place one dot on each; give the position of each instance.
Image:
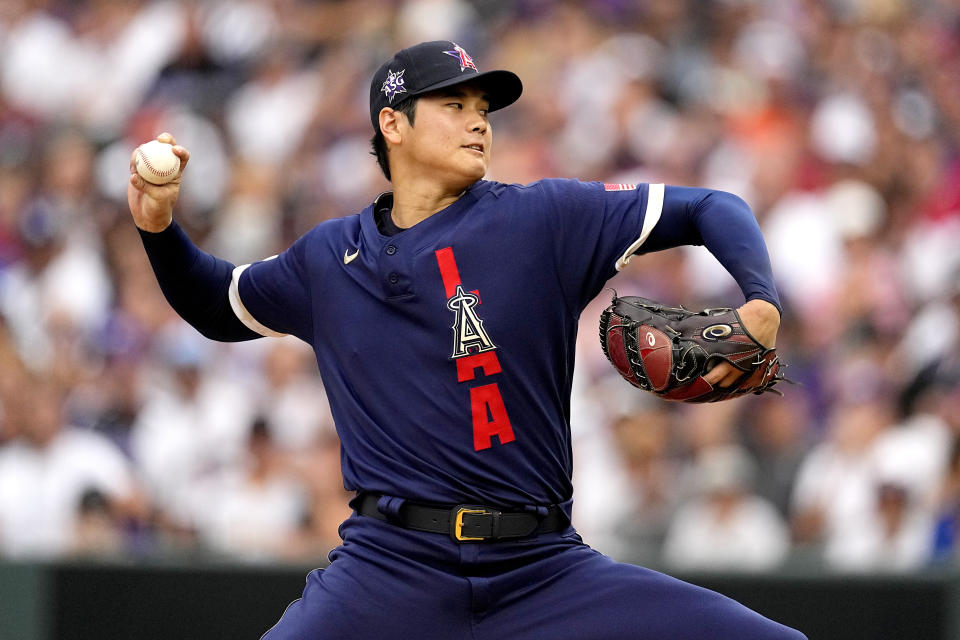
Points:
(468, 332)
(474, 351)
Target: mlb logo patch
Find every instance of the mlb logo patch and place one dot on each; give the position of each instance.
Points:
(607, 186)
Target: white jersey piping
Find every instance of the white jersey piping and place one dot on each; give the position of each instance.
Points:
(650, 218)
(241, 311)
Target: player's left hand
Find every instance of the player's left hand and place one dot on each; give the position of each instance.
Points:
(762, 320)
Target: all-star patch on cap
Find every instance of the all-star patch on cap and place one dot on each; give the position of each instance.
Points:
(429, 66)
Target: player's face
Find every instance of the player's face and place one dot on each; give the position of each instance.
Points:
(452, 136)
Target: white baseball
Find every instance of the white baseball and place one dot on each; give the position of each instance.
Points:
(156, 162)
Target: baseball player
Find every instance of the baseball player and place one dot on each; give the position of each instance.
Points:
(443, 317)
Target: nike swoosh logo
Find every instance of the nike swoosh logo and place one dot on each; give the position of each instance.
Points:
(348, 257)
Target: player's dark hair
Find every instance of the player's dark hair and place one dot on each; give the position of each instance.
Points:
(408, 108)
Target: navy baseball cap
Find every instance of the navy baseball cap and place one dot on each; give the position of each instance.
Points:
(429, 66)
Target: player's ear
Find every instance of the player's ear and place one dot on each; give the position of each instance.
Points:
(390, 125)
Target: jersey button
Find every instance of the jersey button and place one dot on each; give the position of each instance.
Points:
(394, 278)
(391, 249)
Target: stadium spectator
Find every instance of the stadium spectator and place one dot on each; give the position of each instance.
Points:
(46, 472)
(725, 525)
(254, 511)
(653, 473)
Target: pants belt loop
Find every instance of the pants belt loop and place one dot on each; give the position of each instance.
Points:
(390, 506)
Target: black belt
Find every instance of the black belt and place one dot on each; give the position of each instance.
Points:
(465, 523)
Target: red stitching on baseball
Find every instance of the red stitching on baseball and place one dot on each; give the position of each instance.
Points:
(146, 161)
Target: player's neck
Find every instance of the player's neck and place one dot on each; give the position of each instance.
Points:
(414, 203)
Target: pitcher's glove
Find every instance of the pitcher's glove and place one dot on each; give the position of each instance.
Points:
(668, 350)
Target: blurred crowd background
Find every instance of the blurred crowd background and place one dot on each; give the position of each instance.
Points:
(125, 434)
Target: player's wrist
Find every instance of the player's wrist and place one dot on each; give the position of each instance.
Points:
(762, 319)
(154, 226)
(762, 306)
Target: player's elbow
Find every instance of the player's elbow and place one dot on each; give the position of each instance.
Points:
(234, 333)
(725, 201)
(220, 325)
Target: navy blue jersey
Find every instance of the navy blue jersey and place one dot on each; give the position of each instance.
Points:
(447, 350)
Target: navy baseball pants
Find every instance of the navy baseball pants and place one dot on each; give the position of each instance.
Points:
(388, 583)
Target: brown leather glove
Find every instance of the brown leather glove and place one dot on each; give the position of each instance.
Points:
(667, 350)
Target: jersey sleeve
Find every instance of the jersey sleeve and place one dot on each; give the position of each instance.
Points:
(273, 297)
(724, 224)
(195, 283)
(596, 227)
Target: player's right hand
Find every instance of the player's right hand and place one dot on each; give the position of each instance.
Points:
(151, 205)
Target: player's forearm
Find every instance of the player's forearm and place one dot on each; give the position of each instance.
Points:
(725, 225)
(195, 284)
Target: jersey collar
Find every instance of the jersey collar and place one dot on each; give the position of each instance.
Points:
(372, 233)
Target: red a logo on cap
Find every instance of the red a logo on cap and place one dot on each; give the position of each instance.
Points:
(465, 60)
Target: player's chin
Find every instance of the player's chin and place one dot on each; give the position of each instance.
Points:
(474, 167)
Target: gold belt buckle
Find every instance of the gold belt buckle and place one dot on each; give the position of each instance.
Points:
(458, 523)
